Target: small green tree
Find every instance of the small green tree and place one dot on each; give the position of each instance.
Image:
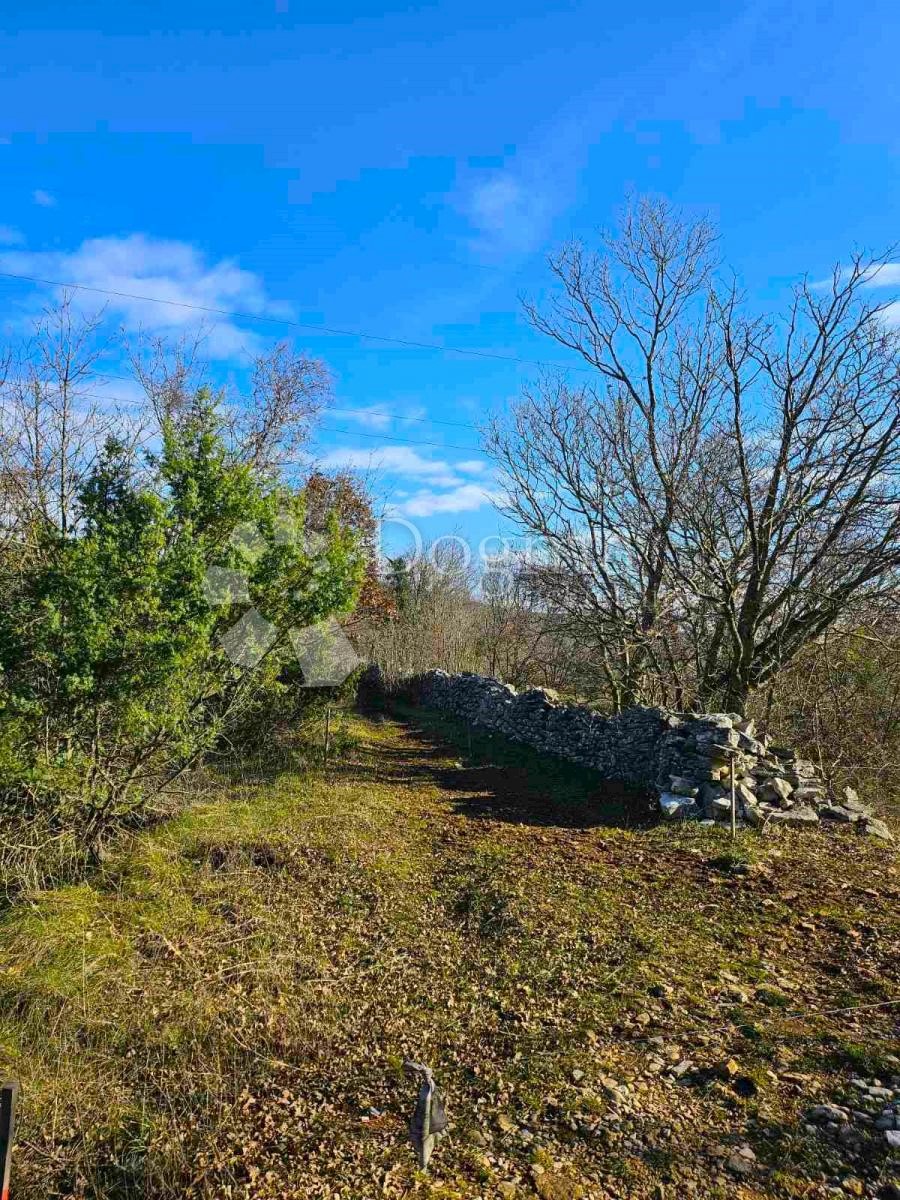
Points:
(114, 673)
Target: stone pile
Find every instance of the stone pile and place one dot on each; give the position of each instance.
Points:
(772, 784)
(685, 759)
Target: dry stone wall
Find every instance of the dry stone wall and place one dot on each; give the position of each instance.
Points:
(682, 758)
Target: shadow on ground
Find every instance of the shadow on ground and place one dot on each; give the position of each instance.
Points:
(495, 779)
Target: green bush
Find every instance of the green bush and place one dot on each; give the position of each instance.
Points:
(113, 678)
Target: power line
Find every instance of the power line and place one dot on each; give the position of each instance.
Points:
(343, 412)
(381, 437)
(331, 330)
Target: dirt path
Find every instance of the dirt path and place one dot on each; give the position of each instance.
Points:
(610, 1007)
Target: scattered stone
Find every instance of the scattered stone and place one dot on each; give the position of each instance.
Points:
(739, 1165)
(892, 1137)
(782, 752)
(508, 1190)
(796, 816)
(875, 827)
(853, 1186)
(820, 1114)
(848, 1136)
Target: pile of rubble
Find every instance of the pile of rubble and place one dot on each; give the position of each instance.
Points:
(771, 783)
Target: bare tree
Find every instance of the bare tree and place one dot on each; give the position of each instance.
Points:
(287, 393)
(52, 425)
(727, 485)
(434, 618)
(513, 630)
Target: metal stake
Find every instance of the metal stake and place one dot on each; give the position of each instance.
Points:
(327, 731)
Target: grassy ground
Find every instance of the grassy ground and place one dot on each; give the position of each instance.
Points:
(223, 1011)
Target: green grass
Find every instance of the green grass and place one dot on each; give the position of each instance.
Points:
(224, 1008)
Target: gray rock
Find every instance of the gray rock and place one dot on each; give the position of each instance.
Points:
(749, 745)
(739, 1165)
(716, 720)
(675, 807)
(775, 791)
(744, 794)
(820, 1114)
(805, 769)
(804, 794)
(681, 786)
(892, 1137)
(836, 812)
(782, 752)
(875, 827)
(796, 816)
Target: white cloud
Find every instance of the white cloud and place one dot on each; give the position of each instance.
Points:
(510, 213)
(143, 266)
(370, 416)
(394, 460)
(43, 199)
(438, 487)
(887, 275)
(376, 416)
(467, 497)
(10, 236)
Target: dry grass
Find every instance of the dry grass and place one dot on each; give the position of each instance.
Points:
(223, 1011)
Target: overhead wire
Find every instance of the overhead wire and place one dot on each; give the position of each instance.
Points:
(328, 428)
(332, 331)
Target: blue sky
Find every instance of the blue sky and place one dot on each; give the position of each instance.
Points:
(403, 171)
